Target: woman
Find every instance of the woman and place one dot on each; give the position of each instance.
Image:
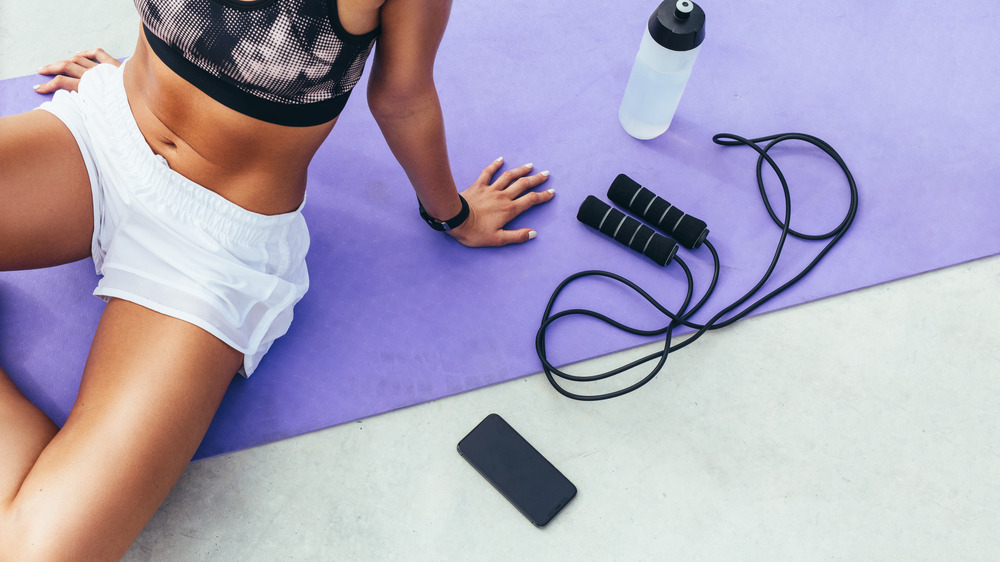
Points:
(182, 173)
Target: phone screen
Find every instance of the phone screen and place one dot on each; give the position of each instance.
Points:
(516, 469)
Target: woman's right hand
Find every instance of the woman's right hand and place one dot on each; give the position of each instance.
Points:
(67, 73)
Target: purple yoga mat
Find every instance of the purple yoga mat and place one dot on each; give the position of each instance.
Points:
(399, 315)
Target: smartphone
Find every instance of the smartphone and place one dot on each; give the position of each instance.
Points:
(518, 471)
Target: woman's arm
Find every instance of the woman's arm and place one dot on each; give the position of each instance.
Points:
(403, 99)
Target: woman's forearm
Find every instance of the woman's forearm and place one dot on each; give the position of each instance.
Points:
(413, 127)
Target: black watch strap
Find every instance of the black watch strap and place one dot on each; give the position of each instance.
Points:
(445, 226)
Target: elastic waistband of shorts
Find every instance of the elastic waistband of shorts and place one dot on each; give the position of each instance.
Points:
(103, 86)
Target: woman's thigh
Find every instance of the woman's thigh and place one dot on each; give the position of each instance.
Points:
(151, 386)
(47, 210)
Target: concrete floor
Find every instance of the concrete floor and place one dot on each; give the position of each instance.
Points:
(860, 427)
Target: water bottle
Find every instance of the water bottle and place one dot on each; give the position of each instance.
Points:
(662, 66)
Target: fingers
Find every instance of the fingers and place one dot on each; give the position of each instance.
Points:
(525, 184)
(520, 236)
(74, 67)
(67, 73)
(517, 175)
(497, 238)
(100, 56)
(487, 173)
(58, 83)
(530, 199)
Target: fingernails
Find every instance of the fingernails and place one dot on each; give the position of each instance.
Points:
(545, 173)
(552, 191)
(499, 159)
(532, 234)
(529, 165)
(36, 86)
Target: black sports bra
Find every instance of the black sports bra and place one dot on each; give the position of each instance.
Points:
(288, 62)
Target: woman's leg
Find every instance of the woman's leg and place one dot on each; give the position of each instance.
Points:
(47, 209)
(24, 432)
(46, 218)
(150, 388)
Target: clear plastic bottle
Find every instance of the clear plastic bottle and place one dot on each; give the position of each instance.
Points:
(669, 47)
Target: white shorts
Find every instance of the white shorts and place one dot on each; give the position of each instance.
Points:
(173, 246)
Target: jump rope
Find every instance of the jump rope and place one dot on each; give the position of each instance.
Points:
(692, 233)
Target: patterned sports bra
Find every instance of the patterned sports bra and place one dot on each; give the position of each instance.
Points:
(288, 62)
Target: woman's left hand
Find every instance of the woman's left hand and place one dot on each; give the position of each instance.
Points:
(68, 72)
(493, 204)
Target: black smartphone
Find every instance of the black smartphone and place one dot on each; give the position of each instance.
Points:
(518, 471)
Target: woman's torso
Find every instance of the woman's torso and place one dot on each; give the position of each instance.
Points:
(257, 165)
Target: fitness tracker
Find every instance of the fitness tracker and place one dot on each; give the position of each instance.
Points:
(445, 226)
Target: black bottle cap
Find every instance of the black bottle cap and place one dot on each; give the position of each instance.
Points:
(678, 25)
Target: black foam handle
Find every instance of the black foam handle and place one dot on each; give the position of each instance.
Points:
(626, 230)
(655, 210)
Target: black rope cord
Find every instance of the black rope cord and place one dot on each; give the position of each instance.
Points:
(683, 316)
